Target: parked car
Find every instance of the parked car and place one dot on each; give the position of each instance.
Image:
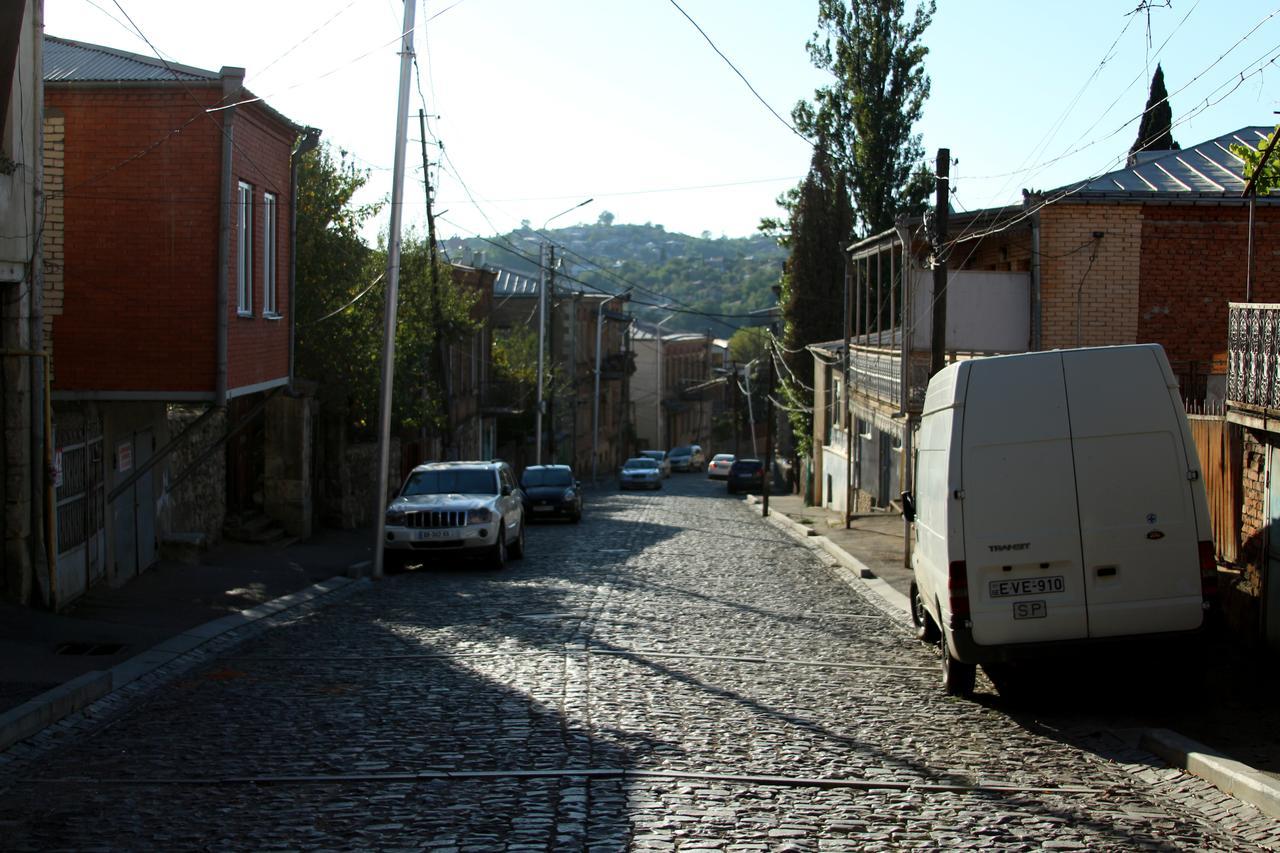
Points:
(718, 467)
(687, 458)
(550, 491)
(1059, 502)
(471, 508)
(663, 461)
(640, 473)
(745, 475)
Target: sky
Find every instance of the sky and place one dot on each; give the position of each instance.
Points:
(535, 107)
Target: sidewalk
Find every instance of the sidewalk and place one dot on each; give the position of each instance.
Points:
(1231, 699)
(41, 650)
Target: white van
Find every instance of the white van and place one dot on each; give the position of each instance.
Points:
(1058, 499)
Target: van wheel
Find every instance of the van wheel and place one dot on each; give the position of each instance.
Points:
(957, 678)
(926, 628)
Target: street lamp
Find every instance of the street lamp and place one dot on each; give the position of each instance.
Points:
(542, 327)
(662, 369)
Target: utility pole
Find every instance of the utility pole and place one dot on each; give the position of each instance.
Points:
(393, 288)
(734, 397)
(768, 432)
(441, 352)
(941, 206)
(551, 353)
(542, 345)
(846, 413)
(1251, 191)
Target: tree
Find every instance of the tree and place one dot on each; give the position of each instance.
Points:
(748, 344)
(1269, 179)
(865, 118)
(605, 218)
(1155, 131)
(340, 302)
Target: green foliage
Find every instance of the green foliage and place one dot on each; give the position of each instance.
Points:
(748, 344)
(340, 299)
(716, 276)
(1269, 179)
(866, 116)
(1155, 131)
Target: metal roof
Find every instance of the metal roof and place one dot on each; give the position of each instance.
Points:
(508, 283)
(1207, 169)
(67, 61)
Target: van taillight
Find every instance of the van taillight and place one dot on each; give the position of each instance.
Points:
(958, 593)
(1208, 570)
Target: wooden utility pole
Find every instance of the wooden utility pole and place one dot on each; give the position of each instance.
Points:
(441, 351)
(941, 206)
(845, 411)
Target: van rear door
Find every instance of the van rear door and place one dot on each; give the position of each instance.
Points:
(1022, 535)
(1137, 512)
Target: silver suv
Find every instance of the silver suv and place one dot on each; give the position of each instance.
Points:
(474, 508)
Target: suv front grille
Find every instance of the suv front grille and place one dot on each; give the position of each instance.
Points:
(431, 519)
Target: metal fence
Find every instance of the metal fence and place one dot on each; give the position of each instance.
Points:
(1253, 337)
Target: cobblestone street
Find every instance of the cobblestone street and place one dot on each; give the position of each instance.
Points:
(673, 672)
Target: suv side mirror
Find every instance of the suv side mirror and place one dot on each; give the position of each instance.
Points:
(506, 490)
(908, 506)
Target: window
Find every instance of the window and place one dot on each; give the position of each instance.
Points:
(244, 251)
(269, 256)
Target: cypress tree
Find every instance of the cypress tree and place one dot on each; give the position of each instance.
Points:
(1155, 131)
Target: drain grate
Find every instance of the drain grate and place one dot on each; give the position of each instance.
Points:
(95, 649)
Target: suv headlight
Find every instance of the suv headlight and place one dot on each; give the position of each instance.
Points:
(568, 495)
(395, 517)
(483, 515)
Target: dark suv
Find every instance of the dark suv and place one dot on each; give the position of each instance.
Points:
(551, 491)
(745, 475)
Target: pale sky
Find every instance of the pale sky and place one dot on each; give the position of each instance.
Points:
(541, 105)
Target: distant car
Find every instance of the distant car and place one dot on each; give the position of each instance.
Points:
(661, 456)
(718, 467)
(640, 473)
(745, 475)
(687, 458)
(473, 508)
(550, 491)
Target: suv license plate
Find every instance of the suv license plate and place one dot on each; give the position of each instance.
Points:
(1030, 610)
(432, 534)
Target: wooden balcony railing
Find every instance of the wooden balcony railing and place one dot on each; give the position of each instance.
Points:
(1253, 342)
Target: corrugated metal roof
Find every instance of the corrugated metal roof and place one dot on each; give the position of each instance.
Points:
(67, 61)
(1205, 169)
(510, 283)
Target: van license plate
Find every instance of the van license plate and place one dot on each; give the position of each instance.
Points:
(1027, 586)
(1030, 610)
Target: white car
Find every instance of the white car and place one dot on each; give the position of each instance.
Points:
(640, 473)
(659, 456)
(687, 458)
(470, 508)
(718, 467)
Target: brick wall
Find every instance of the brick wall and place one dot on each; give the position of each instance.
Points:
(53, 238)
(258, 346)
(141, 216)
(1193, 264)
(1106, 277)
(142, 171)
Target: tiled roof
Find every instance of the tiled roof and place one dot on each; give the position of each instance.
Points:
(78, 62)
(1202, 170)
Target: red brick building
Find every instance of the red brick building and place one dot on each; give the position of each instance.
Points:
(168, 251)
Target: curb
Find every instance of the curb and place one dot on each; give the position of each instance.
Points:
(1228, 775)
(53, 705)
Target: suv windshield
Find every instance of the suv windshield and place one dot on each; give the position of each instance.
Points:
(682, 451)
(546, 477)
(451, 481)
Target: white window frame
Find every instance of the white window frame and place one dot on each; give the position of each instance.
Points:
(270, 259)
(244, 250)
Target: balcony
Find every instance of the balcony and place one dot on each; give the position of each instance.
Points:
(1253, 369)
(617, 365)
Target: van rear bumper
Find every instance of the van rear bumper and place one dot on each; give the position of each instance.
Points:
(967, 651)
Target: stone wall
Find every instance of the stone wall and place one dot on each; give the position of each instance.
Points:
(199, 504)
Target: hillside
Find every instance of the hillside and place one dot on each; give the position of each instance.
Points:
(718, 276)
